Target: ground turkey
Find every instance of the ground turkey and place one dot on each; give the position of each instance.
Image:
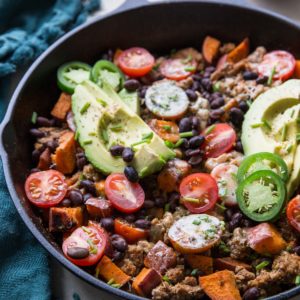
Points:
(238, 244)
(134, 257)
(242, 278)
(188, 289)
(51, 134)
(285, 268)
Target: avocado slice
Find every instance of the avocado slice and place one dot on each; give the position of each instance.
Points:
(102, 120)
(131, 99)
(272, 123)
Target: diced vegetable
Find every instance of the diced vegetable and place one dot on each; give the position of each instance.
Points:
(99, 207)
(228, 263)
(297, 70)
(62, 106)
(100, 188)
(200, 262)
(160, 258)
(265, 239)
(65, 154)
(108, 271)
(167, 130)
(146, 281)
(45, 160)
(293, 212)
(63, 219)
(220, 286)
(210, 48)
(239, 52)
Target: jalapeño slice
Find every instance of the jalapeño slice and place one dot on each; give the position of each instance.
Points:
(71, 74)
(261, 196)
(263, 161)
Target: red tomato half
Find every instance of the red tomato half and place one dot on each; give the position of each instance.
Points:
(283, 62)
(136, 62)
(199, 192)
(177, 68)
(293, 212)
(46, 188)
(219, 138)
(91, 237)
(124, 195)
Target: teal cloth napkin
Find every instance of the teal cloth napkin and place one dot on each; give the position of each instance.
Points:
(27, 28)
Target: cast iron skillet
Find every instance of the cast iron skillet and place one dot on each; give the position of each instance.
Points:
(156, 26)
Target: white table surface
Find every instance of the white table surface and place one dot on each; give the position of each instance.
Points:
(67, 286)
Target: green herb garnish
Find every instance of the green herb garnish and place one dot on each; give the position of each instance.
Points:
(216, 87)
(187, 59)
(262, 265)
(93, 247)
(169, 144)
(167, 128)
(116, 128)
(190, 199)
(220, 206)
(197, 222)
(223, 247)
(104, 135)
(85, 107)
(179, 143)
(194, 272)
(147, 136)
(186, 134)
(76, 135)
(34, 117)
(257, 125)
(267, 124)
(87, 142)
(210, 129)
(297, 280)
(270, 79)
(190, 68)
(283, 133)
(167, 207)
(102, 102)
(167, 279)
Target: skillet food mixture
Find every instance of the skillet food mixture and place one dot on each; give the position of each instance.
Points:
(175, 176)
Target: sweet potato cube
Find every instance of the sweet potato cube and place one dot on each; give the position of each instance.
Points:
(297, 70)
(228, 263)
(220, 286)
(160, 258)
(65, 154)
(64, 218)
(99, 207)
(99, 186)
(210, 48)
(200, 262)
(146, 281)
(110, 272)
(62, 106)
(240, 52)
(45, 160)
(265, 239)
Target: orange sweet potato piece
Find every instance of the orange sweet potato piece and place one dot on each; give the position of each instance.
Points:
(64, 156)
(200, 262)
(64, 218)
(108, 271)
(265, 239)
(62, 106)
(297, 70)
(239, 52)
(220, 286)
(99, 186)
(146, 281)
(210, 48)
(99, 207)
(45, 160)
(228, 263)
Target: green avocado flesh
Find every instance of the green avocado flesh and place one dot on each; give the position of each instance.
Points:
(272, 125)
(103, 120)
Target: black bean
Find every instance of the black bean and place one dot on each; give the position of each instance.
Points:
(117, 255)
(185, 125)
(37, 133)
(86, 197)
(78, 252)
(196, 77)
(206, 95)
(251, 294)
(192, 152)
(88, 185)
(148, 204)
(119, 242)
(195, 123)
(131, 85)
(248, 75)
(228, 214)
(216, 114)
(35, 155)
(235, 221)
(214, 96)
(243, 106)
(131, 174)
(195, 132)
(185, 143)
(210, 69)
(44, 122)
(196, 141)
(76, 197)
(141, 223)
(116, 150)
(66, 202)
(206, 75)
(142, 91)
(174, 196)
(127, 154)
(206, 83)
(217, 103)
(239, 147)
(262, 80)
(141, 214)
(34, 170)
(195, 160)
(191, 94)
(159, 201)
(236, 116)
(130, 218)
(52, 145)
(297, 250)
(196, 86)
(108, 224)
(81, 162)
(247, 223)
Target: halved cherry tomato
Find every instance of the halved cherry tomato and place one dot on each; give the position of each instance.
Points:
(93, 238)
(129, 232)
(124, 195)
(293, 212)
(167, 130)
(136, 62)
(177, 68)
(282, 63)
(199, 192)
(46, 188)
(219, 138)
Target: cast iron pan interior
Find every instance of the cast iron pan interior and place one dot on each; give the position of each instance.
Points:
(158, 27)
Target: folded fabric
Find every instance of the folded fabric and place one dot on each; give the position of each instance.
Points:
(24, 270)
